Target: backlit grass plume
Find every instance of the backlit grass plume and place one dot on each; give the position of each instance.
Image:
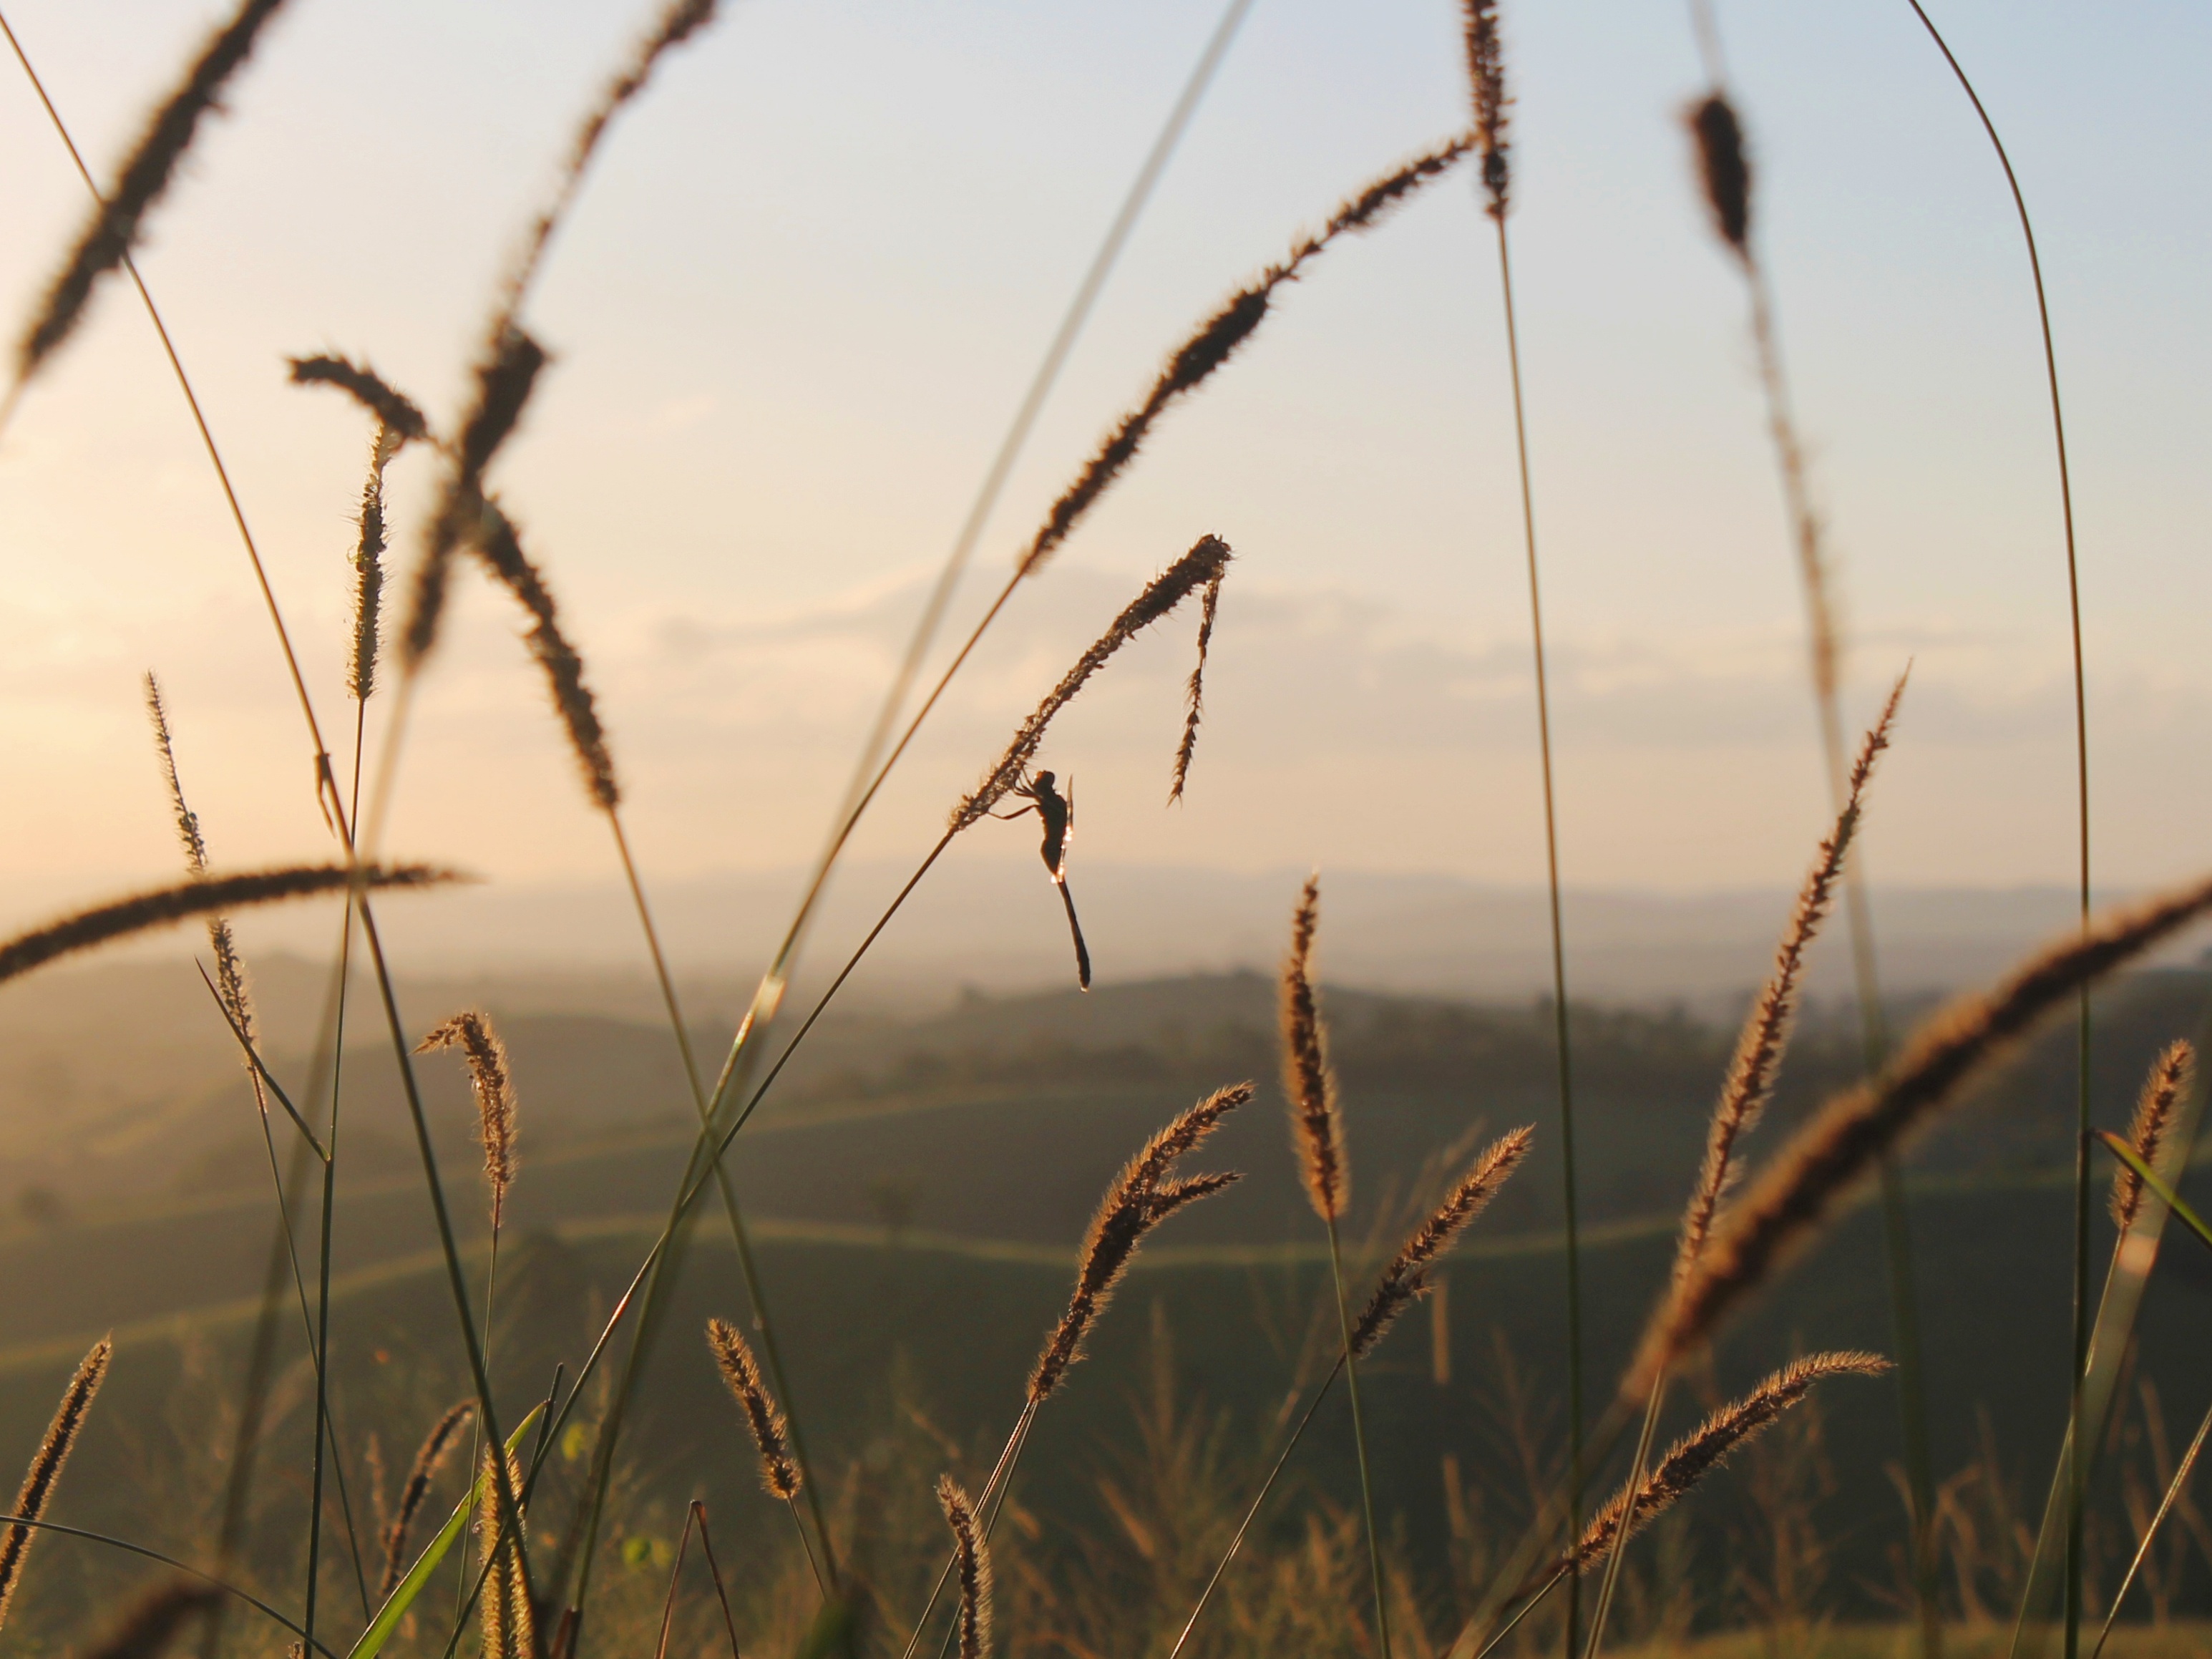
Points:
(1486, 79)
(1839, 1147)
(2162, 1090)
(436, 1446)
(512, 359)
(46, 1471)
(164, 907)
(1144, 1194)
(150, 1623)
(116, 224)
(1316, 1113)
(1203, 566)
(503, 384)
(398, 423)
(1406, 1280)
(504, 1613)
(1220, 334)
(392, 407)
(733, 1357)
(678, 23)
(501, 548)
(491, 1080)
(1758, 1060)
(972, 1565)
(1702, 1450)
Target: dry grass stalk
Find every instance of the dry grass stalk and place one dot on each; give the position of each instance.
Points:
(115, 227)
(2162, 1090)
(229, 970)
(1316, 1113)
(392, 407)
(1758, 1060)
(1486, 79)
(733, 1357)
(46, 1471)
(151, 1623)
(1195, 691)
(1144, 1195)
(1831, 1152)
(1202, 567)
(492, 1082)
(1702, 1450)
(972, 1563)
(1406, 1280)
(436, 1446)
(504, 381)
(1725, 170)
(164, 907)
(505, 1617)
(1219, 335)
(500, 548)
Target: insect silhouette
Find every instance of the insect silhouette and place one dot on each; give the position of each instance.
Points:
(1057, 811)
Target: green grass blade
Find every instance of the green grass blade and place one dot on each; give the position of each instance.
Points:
(395, 1607)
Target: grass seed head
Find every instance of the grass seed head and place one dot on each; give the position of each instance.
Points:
(1766, 1035)
(1485, 78)
(733, 1357)
(972, 1563)
(117, 221)
(1144, 1195)
(1308, 1084)
(1724, 170)
(1704, 1449)
(491, 1080)
(1406, 1280)
(428, 1462)
(45, 1473)
(2162, 1091)
(1840, 1145)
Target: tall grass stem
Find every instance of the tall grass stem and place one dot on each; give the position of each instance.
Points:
(2081, 1357)
(1563, 1051)
(1359, 1442)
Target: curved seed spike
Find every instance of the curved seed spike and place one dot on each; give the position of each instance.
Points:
(164, 907)
(45, 1470)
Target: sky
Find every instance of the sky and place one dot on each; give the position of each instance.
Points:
(813, 272)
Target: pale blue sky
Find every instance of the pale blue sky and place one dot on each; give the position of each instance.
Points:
(809, 280)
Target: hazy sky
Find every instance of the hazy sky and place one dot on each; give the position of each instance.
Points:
(811, 276)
